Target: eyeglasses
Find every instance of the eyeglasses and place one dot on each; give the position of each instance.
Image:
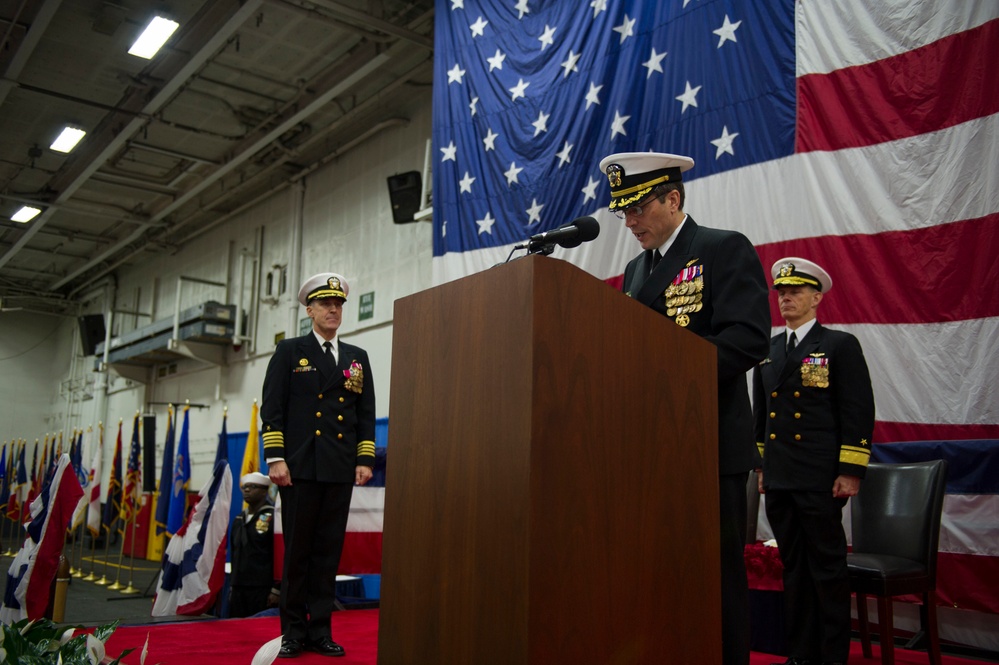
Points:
(636, 211)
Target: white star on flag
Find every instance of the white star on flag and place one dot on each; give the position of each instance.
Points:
(570, 63)
(486, 223)
(496, 62)
(591, 96)
(511, 173)
(654, 63)
(466, 183)
(454, 74)
(590, 191)
(689, 97)
(490, 140)
(478, 28)
(541, 124)
(475, 100)
(450, 152)
(563, 156)
(521, 7)
(724, 143)
(598, 6)
(727, 31)
(518, 90)
(534, 212)
(625, 28)
(547, 38)
(617, 127)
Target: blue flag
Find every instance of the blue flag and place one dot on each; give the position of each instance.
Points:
(166, 477)
(112, 505)
(222, 450)
(181, 480)
(4, 485)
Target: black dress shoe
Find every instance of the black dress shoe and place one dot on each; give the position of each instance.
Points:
(290, 649)
(326, 647)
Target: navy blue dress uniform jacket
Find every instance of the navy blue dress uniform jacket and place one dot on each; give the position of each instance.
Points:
(814, 411)
(734, 316)
(320, 421)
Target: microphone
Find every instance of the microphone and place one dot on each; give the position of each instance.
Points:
(573, 234)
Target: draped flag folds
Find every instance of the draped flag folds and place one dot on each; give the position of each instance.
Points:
(166, 477)
(194, 564)
(33, 569)
(861, 134)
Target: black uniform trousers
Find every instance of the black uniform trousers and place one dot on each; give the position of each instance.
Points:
(314, 518)
(735, 586)
(809, 529)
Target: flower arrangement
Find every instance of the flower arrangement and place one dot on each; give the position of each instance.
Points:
(44, 642)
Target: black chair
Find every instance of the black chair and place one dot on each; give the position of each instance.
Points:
(896, 530)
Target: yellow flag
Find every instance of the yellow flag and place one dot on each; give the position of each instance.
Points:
(251, 455)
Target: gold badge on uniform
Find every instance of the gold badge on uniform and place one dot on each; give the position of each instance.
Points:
(684, 294)
(263, 523)
(614, 175)
(355, 377)
(303, 362)
(815, 371)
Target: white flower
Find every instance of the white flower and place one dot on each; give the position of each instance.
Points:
(95, 650)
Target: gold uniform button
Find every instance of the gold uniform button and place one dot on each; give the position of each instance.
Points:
(341, 400)
(318, 433)
(797, 415)
(340, 418)
(797, 437)
(339, 436)
(797, 394)
(773, 415)
(773, 394)
(320, 395)
(773, 436)
(319, 414)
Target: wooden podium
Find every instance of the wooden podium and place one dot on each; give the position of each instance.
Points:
(552, 486)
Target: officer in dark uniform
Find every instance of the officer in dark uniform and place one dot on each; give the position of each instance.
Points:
(318, 414)
(709, 281)
(254, 588)
(814, 410)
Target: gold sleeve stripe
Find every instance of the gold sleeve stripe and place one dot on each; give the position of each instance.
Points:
(272, 439)
(854, 455)
(366, 448)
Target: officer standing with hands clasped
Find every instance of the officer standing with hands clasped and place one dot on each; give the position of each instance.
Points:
(814, 410)
(318, 414)
(710, 282)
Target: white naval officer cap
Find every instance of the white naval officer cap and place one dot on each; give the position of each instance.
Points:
(796, 271)
(323, 285)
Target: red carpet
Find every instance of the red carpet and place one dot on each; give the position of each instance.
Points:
(237, 640)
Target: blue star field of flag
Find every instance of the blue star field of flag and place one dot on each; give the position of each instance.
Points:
(529, 95)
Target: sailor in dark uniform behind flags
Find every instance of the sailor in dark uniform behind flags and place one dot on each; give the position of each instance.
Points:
(814, 409)
(254, 588)
(318, 414)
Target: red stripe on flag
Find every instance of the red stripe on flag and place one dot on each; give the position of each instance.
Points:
(901, 96)
(959, 582)
(894, 432)
(918, 276)
(362, 553)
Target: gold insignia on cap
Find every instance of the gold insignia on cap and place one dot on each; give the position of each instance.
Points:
(786, 269)
(334, 283)
(303, 362)
(614, 175)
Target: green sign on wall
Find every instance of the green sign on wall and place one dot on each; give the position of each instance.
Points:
(366, 306)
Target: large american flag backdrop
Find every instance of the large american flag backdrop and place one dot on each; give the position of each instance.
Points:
(861, 134)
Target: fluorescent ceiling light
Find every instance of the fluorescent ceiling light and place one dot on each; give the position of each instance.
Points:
(25, 214)
(153, 37)
(68, 139)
